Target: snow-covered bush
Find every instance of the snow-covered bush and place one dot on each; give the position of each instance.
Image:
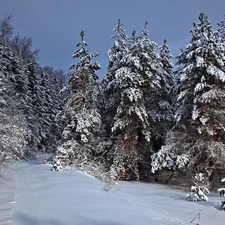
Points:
(108, 184)
(198, 192)
(97, 167)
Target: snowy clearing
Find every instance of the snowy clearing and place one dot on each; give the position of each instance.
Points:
(32, 194)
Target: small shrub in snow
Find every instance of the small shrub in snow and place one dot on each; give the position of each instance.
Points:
(198, 192)
(110, 179)
(108, 184)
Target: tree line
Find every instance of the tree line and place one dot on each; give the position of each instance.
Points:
(29, 98)
(148, 119)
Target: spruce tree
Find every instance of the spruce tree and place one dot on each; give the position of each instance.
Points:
(221, 30)
(109, 98)
(165, 96)
(80, 115)
(200, 117)
(138, 87)
(32, 110)
(167, 69)
(201, 97)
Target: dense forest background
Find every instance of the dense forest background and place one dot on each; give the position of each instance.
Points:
(29, 98)
(145, 120)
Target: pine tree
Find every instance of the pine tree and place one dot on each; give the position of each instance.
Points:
(200, 113)
(109, 94)
(166, 96)
(138, 85)
(80, 115)
(51, 106)
(202, 81)
(199, 191)
(119, 49)
(221, 30)
(167, 70)
(35, 99)
(46, 111)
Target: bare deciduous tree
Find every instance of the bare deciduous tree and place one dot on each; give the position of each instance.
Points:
(23, 47)
(6, 28)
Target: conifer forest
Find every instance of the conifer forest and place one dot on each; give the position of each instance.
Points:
(152, 117)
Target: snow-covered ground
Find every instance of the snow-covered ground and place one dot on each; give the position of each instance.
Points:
(32, 194)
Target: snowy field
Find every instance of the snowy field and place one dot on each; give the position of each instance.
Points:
(32, 194)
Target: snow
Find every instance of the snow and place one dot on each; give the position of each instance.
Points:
(199, 87)
(212, 70)
(195, 113)
(221, 189)
(204, 120)
(32, 194)
(200, 62)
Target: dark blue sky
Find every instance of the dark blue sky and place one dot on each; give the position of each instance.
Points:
(55, 25)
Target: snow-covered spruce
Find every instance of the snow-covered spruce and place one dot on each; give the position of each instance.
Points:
(199, 191)
(80, 115)
(141, 101)
(221, 30)
(202, 81)
(198, 194)
(109, 98)
(200, 118)
(167, 73)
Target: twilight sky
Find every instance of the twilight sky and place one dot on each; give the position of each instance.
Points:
(55, 25)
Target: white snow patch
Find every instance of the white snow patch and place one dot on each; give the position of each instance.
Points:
(33, 195)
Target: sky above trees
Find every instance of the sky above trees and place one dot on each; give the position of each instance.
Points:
(55, 25)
